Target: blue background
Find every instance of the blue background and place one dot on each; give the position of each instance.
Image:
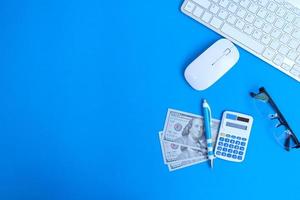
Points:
(85, 87)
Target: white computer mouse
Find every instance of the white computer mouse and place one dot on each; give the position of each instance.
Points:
(212, 64)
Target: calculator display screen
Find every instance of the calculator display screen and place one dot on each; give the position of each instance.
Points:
(234, 125)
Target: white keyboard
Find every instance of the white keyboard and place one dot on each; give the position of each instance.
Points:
(269, 29)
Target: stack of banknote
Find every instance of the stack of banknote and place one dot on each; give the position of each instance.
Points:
(183, 140)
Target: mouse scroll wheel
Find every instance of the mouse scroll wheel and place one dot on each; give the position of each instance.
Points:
(227, 51)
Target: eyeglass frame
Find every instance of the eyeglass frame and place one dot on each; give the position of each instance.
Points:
(279, 116)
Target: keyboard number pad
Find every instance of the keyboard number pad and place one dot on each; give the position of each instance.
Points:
(231, 146)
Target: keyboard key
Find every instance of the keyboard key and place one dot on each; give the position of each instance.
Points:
(263, 2)
(240, 157)
(219, 148)
(241, 13)
(294, 43)
(267, 28)
(206, 17)
(189, 6)
(266, 39)
(220, 143)
(258, 23)
(226, 144)
(215, 22)
(262, 13)
(221, 139)
(214, 9)
(243, 143)
(245, 3)
(288, 28)
(296, 34)
(243, 38)
(239, 138)
(226, 139)
(279, 23)
(231, 19)
(292, 54)
(227, 135)
(280, 12)
(286, 67)
(272, 6)
(235, 151)
(270, 18)
(236, 147)
(297, 22)
(242, 148)
(289, 17)
(232, 7)
(233, 136)
(218, 152)
(204, 3)
(285, 38)
(240, 24)
(232, 141)
(223, 14)
(237, 142)
(253, 8)
(224, 3)
(295, 72)
(229, 155)
(250, 18)
(244, 139)
(241, 152)
(234, 156)
(283, 49)
(198, 11)
(278, 60)
(275, 44)
(231, 146)
(230, 150)
(276, 33)
(269, 54)
(223, 154)
(257, 34)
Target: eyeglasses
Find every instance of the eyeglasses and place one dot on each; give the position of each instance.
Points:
(281, 129)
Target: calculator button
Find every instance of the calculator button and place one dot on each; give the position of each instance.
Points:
(222, 134)
(226, 140)
(234, 156)
(229, 150)
(238, 138)
(218, 152)
(240, 157)
(244, 139)
(221, 139)
(241, 153)
(237, 142)
(223, 154)
(219, 148)
(224, 149)
(225, 144)
(229, 155)
(243, 143)
(227, 135)
(242, 148)
(236, 147)
(231, 146)
(232, 141)
(220, 143)
(233, 137)
(235, 151)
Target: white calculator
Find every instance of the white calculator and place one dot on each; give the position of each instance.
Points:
(233, 136)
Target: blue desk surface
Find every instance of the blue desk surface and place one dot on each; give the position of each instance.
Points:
(85, 86)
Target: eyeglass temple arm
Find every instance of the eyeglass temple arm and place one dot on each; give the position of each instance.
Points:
(280, 115)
